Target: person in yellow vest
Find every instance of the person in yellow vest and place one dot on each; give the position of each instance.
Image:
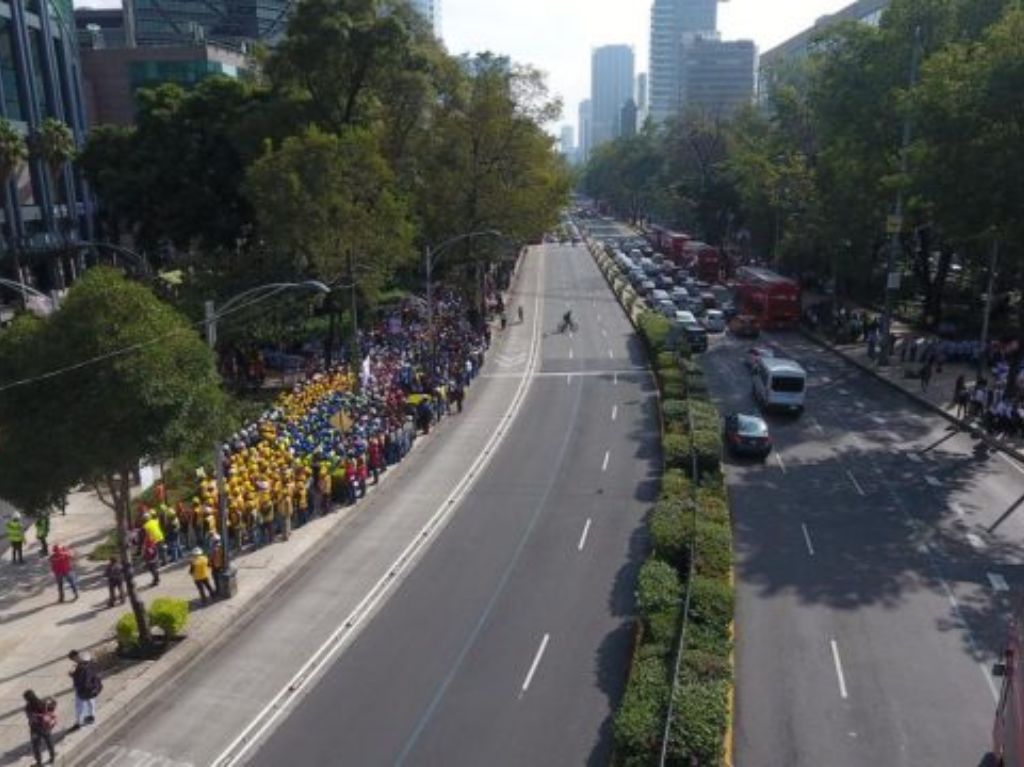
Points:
(285, 509)
(200, 572)
(267, 515)
(15, 531)
(155, 535)
(323, 489)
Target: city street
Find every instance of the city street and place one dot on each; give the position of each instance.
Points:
(507, 641)
(876, 551)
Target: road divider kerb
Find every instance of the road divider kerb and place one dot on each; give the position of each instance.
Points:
(345, 632)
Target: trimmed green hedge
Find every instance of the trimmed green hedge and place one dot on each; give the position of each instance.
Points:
(638, 722)
(669, 376)
(655, 330)
(671, 527)
(675, 483)
(699, 720)
(674, 409)
(127, 631)
(711, 605)
(665, 360)
(676, 451)
(708, 445)
(169, 615)
(657, 587)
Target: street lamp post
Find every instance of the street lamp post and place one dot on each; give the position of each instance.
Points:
(228, 584)
(430, 257)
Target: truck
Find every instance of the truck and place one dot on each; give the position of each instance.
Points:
(703, 260)
(773, 299)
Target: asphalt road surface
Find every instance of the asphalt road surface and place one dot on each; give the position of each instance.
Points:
(877, 554)
(507, 640)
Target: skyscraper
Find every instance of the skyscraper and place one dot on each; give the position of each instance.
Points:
(431, 9)
(718, 77)
(641, 98)
(566, 142)
(611, 85)
(585, 124)
(230, 22)
(673, 22)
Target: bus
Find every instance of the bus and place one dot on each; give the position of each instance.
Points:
(772, 298)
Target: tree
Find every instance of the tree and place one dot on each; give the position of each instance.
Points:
(113, 378)
(13, 153)
(54, 144)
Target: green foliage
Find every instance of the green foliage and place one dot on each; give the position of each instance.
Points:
(655, 330)
(670, 376)
(169, 615)
(665, 360)
(676, 484)
(699, 719)
(662, 626)
(127, 630)
(704, 414)
(707, 443)
(714, 547)
(658, 587)
(638, 721)
(671, 528)
(676, 450)
(13, 149)
(711, 605)
(696, 386)
(699, 665)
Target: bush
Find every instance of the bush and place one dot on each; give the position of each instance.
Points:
(671, 529)
(711, 507)
(714, 548)
(711, 606)
(665, 360)
(655, 330)
(705, 415)
(708, 445)
(657, 587)
(127, 630)
(638, 722)
(663, 626)
(696, 386)
(670, 375)
(699, 721)
(692, 367)
(673, 390)
(676, 449)
(676, 483)
(628, 300)
(674, 409)
(169, 615)
(699, 665)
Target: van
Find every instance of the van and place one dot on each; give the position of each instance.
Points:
(779, 384)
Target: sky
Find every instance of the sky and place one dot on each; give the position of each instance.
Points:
(556, 36)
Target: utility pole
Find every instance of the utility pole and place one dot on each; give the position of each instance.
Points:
(227, 582)
(993, 259)
(355, 362)
(895, 222)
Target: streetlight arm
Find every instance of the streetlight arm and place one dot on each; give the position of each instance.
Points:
(266, 291)
(435, 252)
(23, 289)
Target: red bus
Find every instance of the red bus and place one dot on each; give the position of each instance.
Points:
(1008, 729)
(772, 298)
(704, 260)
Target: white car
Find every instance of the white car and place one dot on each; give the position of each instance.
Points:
(714, 321)
(685, 318)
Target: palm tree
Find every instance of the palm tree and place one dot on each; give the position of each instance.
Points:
(13, 152)
(54, 144)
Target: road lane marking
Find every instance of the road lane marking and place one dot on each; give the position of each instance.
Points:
(932, 480)
(1013, 464)
(583, 537)
(604, 463)
(781, 464)
(571, 354)
(604, 332)
(958, 509)
(807, 539)
(615, 380)
(536, 662)
(611, 354)
(976, 543)
(258, 726)
(839, 670)
(949, 595)
(568, 379)
(856, 484)
(615, 411)
(998, 582)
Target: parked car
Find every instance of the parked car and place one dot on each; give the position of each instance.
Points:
(665, 282)
(685, 318)
(647, 287)
(679, 295)
(714, 321)
(666, 308)
(745, 326)
(747, 435)
(659, 295)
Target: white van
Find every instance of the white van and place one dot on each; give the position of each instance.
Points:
(779, 383)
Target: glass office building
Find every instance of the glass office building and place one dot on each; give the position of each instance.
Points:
(39, 78)
(227, 22)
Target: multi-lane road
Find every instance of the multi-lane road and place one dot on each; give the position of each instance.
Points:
(506, 638)
(876, 552)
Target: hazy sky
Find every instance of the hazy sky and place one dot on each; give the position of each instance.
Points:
(557, 36)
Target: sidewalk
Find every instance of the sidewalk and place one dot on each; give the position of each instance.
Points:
(938, 396)
(37, 632)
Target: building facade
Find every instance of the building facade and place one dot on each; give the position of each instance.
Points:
(431, 9)
(232, 23)
(567, 142)
(611, 85)
(40, 78)
(673, 22)
(799, 47)
(641, 98)
(583, 131)
(718, 76)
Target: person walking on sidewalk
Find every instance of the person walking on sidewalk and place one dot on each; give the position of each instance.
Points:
(926, 375)
(153, 533)
(42, 533)
(15, 531)
(42, 718)
(88, 686)
(961, 397)
(114, 573)
(150, 559)
(63, 568)
(200, 572)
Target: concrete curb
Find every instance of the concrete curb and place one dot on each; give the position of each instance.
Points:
(960, 423)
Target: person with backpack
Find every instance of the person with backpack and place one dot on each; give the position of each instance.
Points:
(42, 719)
(88, 686)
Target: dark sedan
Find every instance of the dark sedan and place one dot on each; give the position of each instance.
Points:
(747, 435)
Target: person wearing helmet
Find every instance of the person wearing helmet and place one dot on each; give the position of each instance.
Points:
(15, 531)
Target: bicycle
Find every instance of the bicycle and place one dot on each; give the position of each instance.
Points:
(568, 325)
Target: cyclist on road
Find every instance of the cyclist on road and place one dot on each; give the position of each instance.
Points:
(567, 323)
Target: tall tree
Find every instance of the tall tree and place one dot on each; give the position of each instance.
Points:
(54, 144)
(13, 153)
(114, 378)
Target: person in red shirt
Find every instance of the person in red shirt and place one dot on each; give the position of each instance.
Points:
(62, 566)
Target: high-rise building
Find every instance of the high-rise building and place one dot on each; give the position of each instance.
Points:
(227, 22)
(673, 22)
(627, 119)
(584, 133)
(40, 77)
(641, 98)
(800, 46)
(611, 85)
(431, 9)
(566, 141)
(718, 76)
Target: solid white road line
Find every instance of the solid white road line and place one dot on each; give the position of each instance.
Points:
(615, 411)
(856, 484)
(839, 669)
(807, 539)
(998, 582)
(611, 354)
(949, 595)
(253, 732)
(976, 543)
(583, 537)
(615, 380)
(933, 481)
(781, 464)
(604, 463)
(988, 678)
(536, 662)
(571, 354)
